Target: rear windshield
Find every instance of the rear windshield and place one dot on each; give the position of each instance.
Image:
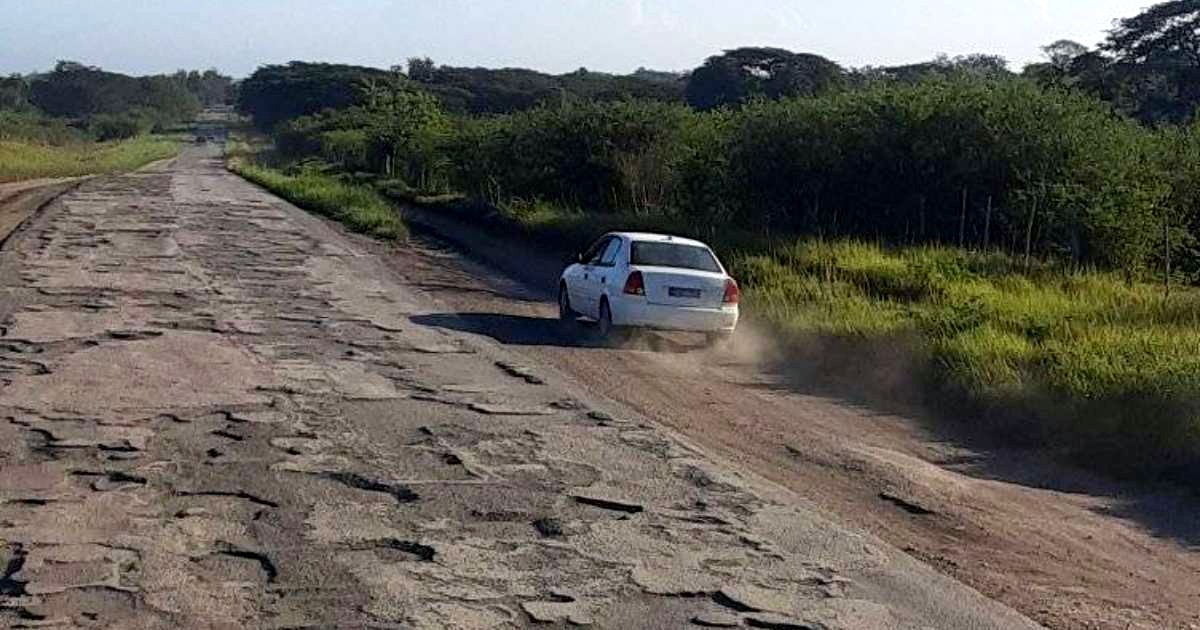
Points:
(655, 254)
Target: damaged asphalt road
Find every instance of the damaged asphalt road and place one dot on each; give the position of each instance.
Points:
(218, 412)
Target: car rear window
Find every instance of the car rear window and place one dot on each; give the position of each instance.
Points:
(655, 254)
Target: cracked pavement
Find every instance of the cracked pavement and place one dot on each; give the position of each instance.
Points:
(217, 412)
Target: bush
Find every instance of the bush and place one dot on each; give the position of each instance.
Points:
(398, 135)
(107, 127)
(36, 128)
(995, 162)
(601, 156)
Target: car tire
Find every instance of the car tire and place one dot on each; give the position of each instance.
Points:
(604, 324)
(605, 328)
(568, 319)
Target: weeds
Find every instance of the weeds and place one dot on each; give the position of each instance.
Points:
(19, 160)
(1087, 363)
(358, 206)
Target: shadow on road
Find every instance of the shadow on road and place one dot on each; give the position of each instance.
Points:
(520, 330)
(510, 329)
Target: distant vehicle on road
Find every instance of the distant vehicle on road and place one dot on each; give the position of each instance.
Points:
(629, 280)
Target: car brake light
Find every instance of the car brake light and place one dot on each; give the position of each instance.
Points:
(732, 294)
(634, 284)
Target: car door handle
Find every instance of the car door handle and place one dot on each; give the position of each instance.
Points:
(603, 280)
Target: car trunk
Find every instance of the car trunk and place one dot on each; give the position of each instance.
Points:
(683, 287)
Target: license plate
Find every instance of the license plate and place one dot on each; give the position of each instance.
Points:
(680, 292)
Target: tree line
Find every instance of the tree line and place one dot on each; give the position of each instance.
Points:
(1089, 158)
(108, 105)
(1148, 66)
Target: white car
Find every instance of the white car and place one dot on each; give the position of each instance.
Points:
(636, 280)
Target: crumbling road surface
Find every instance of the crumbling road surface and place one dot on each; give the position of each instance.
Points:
(219, 412)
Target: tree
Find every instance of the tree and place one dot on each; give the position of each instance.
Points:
(506, 90)
(1062, 53)
(979, 64)
(74, 90)
(406, 124)
(1166, 32)
(1061, 58)
(743, 73)
(1149, 65)
(14, 93)
(277, 93)
(657, 75)
(421, 69)
(943, 66)
(211, 87)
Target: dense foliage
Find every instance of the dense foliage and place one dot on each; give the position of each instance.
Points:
(1149, 66)
(396, 130)
(30, 126)
(739, 75)
(127, 105)
(488, 91)
(280, 92)
(988, 162)
(57, 106)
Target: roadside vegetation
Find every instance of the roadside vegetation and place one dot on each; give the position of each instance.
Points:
(20, 160)
(81, 120)
(1084, 363)
(359, 207)
(1028, 242)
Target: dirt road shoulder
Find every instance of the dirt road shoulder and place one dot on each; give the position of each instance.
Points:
(1069, 549)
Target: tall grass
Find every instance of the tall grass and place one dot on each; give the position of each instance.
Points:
(357, 206)
(20, 160)
(1087, 363)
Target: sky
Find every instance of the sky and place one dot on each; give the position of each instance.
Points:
(236, 36)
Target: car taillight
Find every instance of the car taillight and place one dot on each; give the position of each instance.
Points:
(732, 294)
(634, 284)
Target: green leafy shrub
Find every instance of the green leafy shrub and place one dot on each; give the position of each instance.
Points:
(106, 127)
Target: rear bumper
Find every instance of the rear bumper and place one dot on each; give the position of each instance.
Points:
(637, 313)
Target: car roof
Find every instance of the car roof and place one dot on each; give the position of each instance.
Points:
(658, 238)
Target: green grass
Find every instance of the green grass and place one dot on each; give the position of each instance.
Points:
(358, 206)
(19, 160)
(1084, 363)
